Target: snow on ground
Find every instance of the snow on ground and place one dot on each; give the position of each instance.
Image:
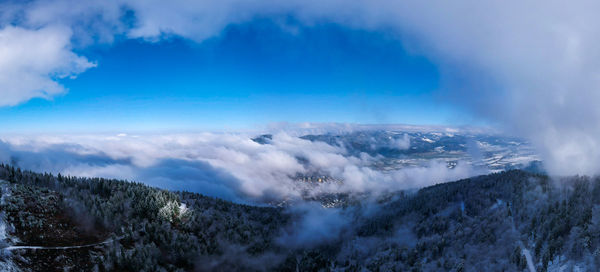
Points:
(4, 191)
(182, 209)
(425, 139)
(562, 264)
(529, 259)
(6, 264)
(2, 229)
(108, 241)
(498, 203)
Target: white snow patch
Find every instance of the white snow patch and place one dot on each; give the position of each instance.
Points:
(3, 230)
(427, 140)
(8, 265)
(529, 259)
(182, 209)
(498, 203)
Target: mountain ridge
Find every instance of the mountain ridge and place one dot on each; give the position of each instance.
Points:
(441, 227)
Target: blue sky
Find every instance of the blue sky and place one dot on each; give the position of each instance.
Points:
(529, 70)
(249, 75)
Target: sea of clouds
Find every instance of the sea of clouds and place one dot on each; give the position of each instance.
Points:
(530, 67)
(226, 165)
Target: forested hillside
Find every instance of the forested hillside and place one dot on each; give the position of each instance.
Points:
(150, 228)
(509, 221)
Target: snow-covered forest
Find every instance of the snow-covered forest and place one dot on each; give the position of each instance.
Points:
(508, 221)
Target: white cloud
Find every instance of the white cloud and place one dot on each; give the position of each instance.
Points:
(30, 60)
(531, 66)
(226, 165)
(401, 143)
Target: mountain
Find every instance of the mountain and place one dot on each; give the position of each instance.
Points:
(399, 149)
(506, 221)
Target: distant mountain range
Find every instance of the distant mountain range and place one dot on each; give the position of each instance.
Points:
(398, 149)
